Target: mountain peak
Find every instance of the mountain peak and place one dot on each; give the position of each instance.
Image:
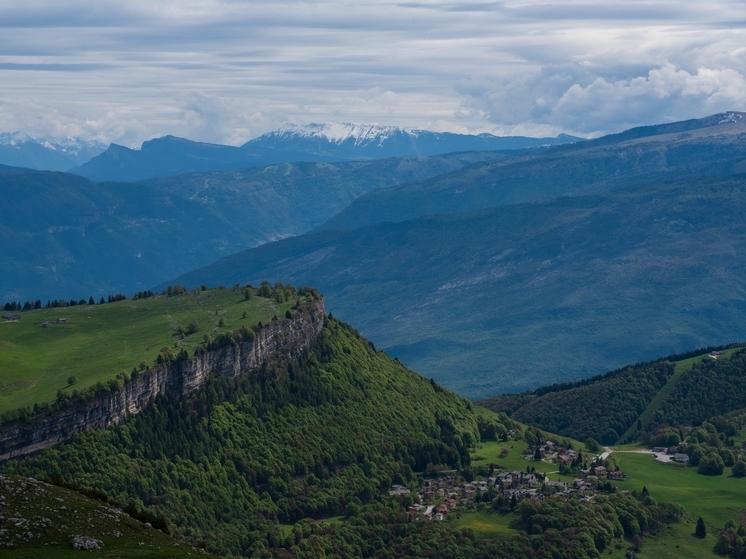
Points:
(339, 132)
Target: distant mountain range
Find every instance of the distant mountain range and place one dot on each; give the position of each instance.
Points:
(17, 150)
(534, 269)
(169, 155)
(712, 146)
(490, 271)
(68, 236)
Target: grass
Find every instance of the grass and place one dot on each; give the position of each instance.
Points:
(715, 498)
(53, 514)
(101, 341)
(680, 368)
(673, 541)
(486, 524)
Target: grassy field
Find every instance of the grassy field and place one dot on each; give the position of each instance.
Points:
(486, 524)
(101, 341)
(680, 368)
(715, 498)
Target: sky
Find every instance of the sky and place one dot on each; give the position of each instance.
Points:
(228, 71)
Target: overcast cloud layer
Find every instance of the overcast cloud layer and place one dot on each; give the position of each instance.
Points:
(227, 71)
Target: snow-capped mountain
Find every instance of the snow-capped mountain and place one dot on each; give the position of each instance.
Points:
(339, 132)
(19, 150)
(367, 141)
(291, 143)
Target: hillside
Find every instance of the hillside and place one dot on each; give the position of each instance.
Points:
(623, 405)
(45, 521)
(302, 439)
(168, 156)
(292, 198)
(69, 237)
(296, 459)
(512, 298)
(712, 146)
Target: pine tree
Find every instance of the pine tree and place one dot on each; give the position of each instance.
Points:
(701, 530)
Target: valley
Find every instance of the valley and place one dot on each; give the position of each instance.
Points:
(510, 298)
(242, 420)
(339, 448)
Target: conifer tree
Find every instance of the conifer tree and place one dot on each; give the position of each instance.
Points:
(701, 530)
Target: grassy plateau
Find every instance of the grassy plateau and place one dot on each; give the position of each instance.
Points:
(101, 341)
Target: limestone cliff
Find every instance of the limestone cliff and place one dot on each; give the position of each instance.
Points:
(278, 341)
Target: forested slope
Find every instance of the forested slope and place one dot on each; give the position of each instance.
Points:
(602, 407)
(712, 387)
(606, 406)
(324, 432)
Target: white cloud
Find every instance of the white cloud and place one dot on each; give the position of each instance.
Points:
(225, 71)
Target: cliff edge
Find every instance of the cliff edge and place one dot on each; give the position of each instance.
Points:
(277, 341)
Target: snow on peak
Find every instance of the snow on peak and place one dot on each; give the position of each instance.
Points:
(338, 132)
(730, 117)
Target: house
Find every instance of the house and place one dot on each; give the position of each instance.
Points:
(600, 470)
(619, 474)
(398, 490)
(45, 324)
(659, 449)
(679, 457)
(63, 320)
(564, 459)
(12, 317)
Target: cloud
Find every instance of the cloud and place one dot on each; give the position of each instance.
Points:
(574, 99)
(225, 71)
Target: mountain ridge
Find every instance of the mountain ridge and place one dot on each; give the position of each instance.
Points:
(499, 294)
(170, 155)
(715, 145)
(20, 150)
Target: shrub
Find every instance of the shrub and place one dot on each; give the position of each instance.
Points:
(711, 465)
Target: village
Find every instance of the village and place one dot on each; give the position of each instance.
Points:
(442, 495)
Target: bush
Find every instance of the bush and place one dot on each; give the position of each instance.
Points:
(739, 469)
(727, 457)
(711, 465)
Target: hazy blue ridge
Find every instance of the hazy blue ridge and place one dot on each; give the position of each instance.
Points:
(70, 237)
(713, 146)
(16, 151)
(511, 298)
(169, 155)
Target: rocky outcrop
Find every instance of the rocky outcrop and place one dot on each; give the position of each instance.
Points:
(277, 342)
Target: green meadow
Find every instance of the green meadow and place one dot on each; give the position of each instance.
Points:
(715, 498)
(101, 341)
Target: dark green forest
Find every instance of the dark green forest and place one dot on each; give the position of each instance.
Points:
(713, 387)
(603, 407)
(551, 529)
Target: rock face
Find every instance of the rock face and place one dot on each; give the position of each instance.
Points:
(88, 544)
(277, 342)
